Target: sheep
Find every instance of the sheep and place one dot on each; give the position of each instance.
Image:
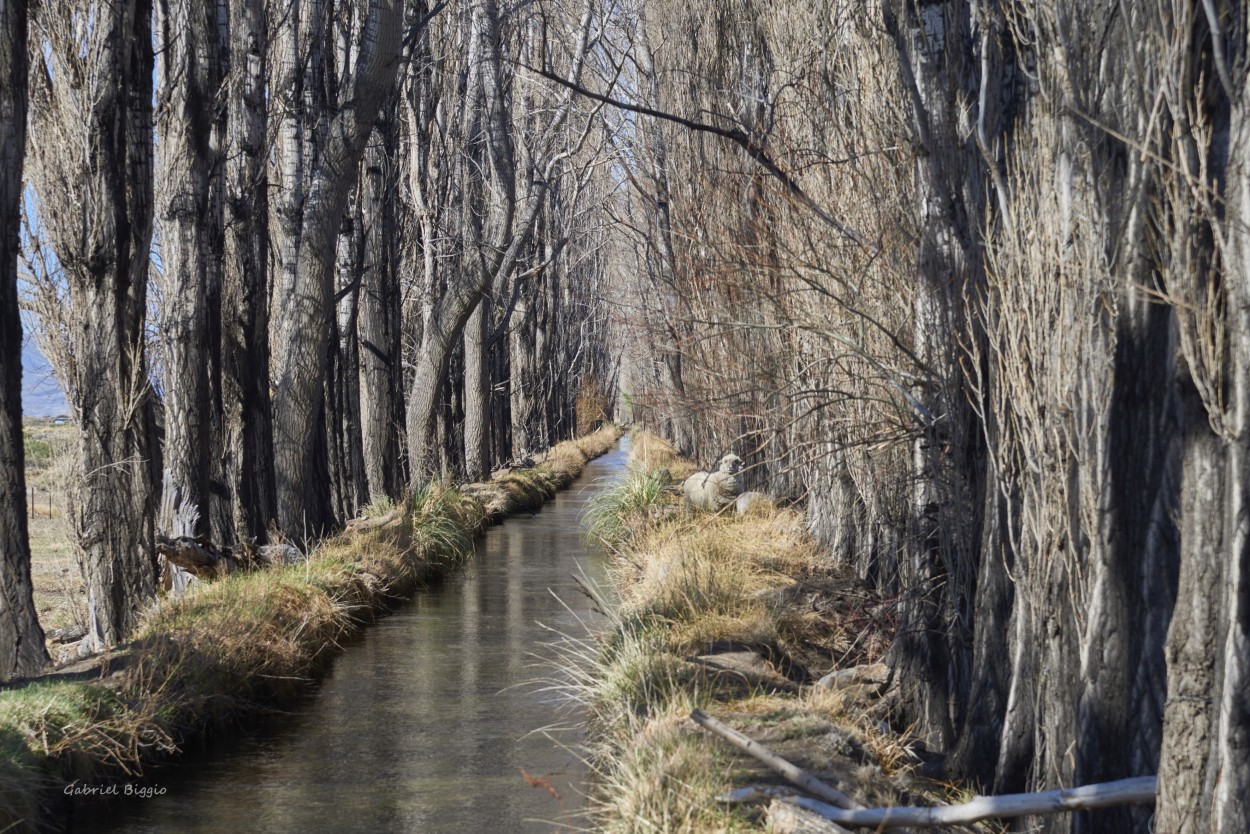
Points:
(747, 500)
(711, 491)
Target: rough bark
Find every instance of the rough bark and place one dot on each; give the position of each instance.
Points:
(380, 378)
(190, 77)
(247, 450)
(1204, 770)
(300, 339)
(22, 649)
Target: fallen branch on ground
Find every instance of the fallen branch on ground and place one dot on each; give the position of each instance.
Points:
(1139, 790)
(795, 774)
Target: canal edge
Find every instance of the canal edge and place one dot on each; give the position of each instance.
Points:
(240, 648)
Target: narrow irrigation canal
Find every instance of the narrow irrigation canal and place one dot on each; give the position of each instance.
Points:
(427, 722)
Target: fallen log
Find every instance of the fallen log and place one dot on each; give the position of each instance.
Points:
(1139, 790)
(795, 774)
(67, 634)
(194, 554)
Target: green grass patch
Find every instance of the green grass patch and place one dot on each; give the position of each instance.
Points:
(442, 522)
(615, 515)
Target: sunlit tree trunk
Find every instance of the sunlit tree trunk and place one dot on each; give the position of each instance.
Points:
(189, 80)
(477, 392)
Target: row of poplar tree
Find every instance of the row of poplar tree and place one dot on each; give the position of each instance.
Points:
(971, 281)
(966, 279)
(288, 258)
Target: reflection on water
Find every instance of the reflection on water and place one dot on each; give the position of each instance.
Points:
(426, 723)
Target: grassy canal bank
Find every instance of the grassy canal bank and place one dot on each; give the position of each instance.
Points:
(740, 616)
(233, 649)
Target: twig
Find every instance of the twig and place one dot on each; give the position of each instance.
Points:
(795, 774)
(1139, 790)
(753, 147)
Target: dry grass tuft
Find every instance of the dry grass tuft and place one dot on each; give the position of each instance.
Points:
(594, 444)
(662, 780)
(651, 452)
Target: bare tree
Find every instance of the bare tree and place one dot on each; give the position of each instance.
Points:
(497, 225)
(190, 167)
(21, 639)
(91, 169)
(446, 308)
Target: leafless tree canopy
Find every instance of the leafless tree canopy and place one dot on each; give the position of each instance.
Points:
(964, 280)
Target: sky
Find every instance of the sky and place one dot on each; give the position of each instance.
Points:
(41, 395)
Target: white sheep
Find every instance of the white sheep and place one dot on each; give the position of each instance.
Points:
(747, 500)
(710, 491)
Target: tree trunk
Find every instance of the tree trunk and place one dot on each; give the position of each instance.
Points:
(247, 414)
(111, 395)
(300, 339)
(523, 372)
(442, 323)
(1204, 770)
(380, 380)
(477, 392)
(190, 76)
(347, 467)
(21, 639)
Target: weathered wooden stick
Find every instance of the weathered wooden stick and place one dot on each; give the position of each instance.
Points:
(1139, 790)
(797, 775)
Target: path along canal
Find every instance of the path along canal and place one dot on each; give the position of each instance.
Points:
(426, 722)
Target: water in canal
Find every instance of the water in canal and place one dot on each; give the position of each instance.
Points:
(426, 723)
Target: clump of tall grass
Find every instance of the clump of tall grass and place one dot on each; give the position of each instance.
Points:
(651, 772)
(378, 507)
(442, 523)
(665, 779)
(621, 509)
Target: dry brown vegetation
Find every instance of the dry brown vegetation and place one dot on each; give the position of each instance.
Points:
(60, 594)
(738, 615)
